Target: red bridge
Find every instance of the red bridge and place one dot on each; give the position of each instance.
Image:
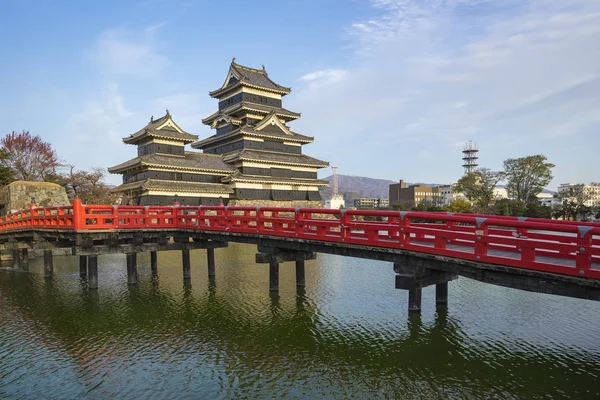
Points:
(550, 256)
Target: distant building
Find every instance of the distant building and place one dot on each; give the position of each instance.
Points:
(591, 192)
(336, 201)
(547, 199)
(371, 202)
(410, 196)
(500, 193)
(448, 195)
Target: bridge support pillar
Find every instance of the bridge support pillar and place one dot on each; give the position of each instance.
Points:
(48, 263)
(25, 256)
(274, 276)
(154, 263)
(414, 273)
(83, 261)
(274, 256)
(414, 300)
(16, 253)
(185, 258)
(132, 268)
(93, 272)
(210, 259)
(441, 293)
(300, 276)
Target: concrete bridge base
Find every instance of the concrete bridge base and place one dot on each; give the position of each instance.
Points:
(274, 256)
(413, 276)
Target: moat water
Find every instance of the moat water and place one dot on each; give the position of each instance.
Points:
(347, 335)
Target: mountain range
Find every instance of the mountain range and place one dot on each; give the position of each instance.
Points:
(353, 187)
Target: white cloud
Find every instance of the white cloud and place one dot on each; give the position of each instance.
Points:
(519, 77)
(94, 135)
(328, 75)
(124, 51)
(187, 110)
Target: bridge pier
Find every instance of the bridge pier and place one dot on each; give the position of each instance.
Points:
(83, 261)
(48, 263)
(210, 259)
(300, 276)
(274, 276)
(93, 272)
(16, 253)
(441, 293)
(414, 299)
(275, 256)
(154, 263)
(25, 256)
(413, 274)
(132, 268)
(185, 258)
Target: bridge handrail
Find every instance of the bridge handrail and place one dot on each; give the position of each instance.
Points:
(518, 242)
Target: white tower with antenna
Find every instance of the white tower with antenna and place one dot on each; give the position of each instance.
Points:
(336, 201)
(470, 157)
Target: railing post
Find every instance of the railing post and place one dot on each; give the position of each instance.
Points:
(583, 259)
(344, 223)
(404, 235)
(481, 231)
(32, 209)
(78, 215)
(298, 221)
(175, 213)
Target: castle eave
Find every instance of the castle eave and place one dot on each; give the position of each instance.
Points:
(173, 186)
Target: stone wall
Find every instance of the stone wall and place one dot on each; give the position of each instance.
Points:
(17, 196)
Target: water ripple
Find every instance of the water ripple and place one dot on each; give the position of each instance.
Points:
(347, 335)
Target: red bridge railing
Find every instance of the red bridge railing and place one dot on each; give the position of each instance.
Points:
(561, 247)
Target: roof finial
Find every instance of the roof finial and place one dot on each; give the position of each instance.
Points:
(168, 115)
(152, 118)
(233, 60)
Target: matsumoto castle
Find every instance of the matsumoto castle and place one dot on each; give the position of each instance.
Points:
(252, 159)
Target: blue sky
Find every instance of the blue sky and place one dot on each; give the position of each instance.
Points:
(389, 88)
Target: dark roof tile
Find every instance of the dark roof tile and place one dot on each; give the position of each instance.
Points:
(268, 156)
(174, 186)
(253, 77)
(191, 160)
(168, 132)
(269, 179)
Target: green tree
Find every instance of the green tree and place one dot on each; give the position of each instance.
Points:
(7, 175)
(426, 205)
(509, 207)
(536, 210)
(479, 186)
(459, 206)
(527, 176)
